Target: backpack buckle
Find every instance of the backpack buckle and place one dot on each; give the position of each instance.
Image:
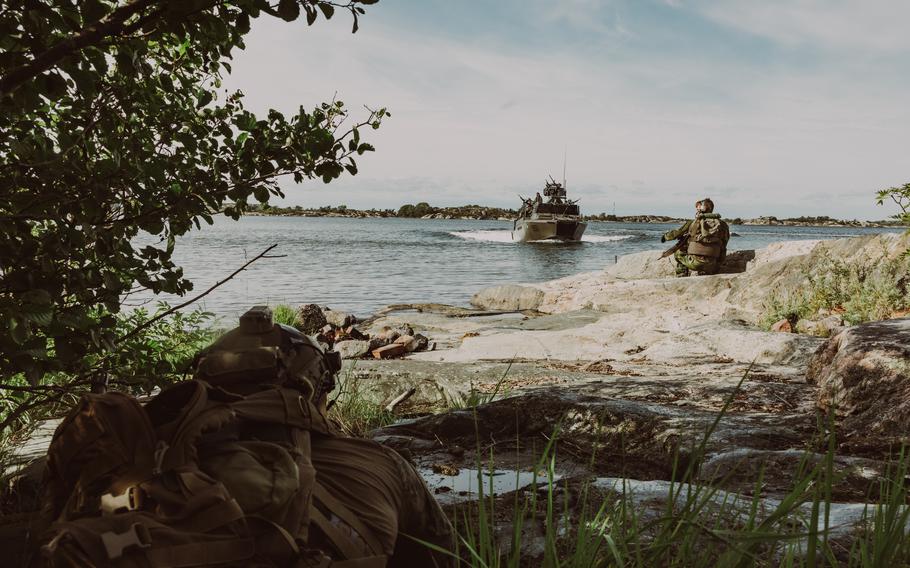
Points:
(130, 500)
(115, 543)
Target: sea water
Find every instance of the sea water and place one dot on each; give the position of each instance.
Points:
(361, 265)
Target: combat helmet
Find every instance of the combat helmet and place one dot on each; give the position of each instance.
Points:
(707, 205)
(260, 352)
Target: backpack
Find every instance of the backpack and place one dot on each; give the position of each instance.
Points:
(199, 476)
(711, 230)
(708, 236)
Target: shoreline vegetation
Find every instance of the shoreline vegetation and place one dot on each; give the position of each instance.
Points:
(424, 210)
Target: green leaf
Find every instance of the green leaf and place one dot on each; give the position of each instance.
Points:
(288, 10)
(327, 10)
(261, 194)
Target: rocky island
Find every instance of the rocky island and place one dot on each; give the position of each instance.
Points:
(479, 212)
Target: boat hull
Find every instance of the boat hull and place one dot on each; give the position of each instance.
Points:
(527, 230)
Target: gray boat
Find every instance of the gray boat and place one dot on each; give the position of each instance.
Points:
(556, 218)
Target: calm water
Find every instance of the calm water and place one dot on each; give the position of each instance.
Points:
(361, 265)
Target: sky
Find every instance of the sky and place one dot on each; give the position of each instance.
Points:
(769, 107)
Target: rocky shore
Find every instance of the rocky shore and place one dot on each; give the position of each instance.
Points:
(633, 366)
(628, 369)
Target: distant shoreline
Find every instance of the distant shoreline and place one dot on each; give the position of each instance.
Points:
(477, 212)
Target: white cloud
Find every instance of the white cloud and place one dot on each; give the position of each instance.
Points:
(868, 25)
(479, 122)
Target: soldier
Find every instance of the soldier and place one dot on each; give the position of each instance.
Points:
(703, 241)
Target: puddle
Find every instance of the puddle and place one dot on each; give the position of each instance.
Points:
(463, 486)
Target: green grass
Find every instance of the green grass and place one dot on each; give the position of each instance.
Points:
(355, 411)
(284, 314)
(697, 525)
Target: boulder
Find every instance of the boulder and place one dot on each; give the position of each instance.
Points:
(508, 298)
(338, 319)
(352, 348)
(863, 374)
(378, 341)
(310, 318)
(389, 351)
(409, 342)
(422, 342)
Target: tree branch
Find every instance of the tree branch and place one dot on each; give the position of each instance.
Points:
(179, 307)
(110, 25)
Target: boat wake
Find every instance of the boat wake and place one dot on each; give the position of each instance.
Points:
(500, 236)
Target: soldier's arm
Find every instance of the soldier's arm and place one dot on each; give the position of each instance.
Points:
(676, 233)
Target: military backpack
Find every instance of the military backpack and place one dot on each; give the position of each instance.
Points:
(214, 472)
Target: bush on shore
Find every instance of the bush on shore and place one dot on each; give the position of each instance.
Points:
(859, 292)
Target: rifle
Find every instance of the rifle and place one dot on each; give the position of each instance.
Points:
(681, 243)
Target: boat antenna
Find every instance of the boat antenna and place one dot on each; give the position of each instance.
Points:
(564, 152)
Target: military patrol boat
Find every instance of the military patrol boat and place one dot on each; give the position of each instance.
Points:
(557, 218)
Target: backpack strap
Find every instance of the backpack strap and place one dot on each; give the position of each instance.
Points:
(284, 406)
(338, 538)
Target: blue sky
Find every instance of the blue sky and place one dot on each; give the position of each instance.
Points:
(769, 107)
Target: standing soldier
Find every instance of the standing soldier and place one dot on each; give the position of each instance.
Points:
(703, 241)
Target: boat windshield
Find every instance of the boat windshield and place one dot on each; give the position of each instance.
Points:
(558, 209)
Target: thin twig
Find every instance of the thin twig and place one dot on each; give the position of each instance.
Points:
(178, 307)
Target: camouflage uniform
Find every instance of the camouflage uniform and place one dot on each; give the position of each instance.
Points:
(687, 260)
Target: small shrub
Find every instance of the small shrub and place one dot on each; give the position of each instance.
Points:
(354, 410)
(284, 314)
(160, 353)
(861, 292)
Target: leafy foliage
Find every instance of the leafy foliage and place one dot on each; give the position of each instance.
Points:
(160, 353)
(859, 291)
(900, 196)
(419, 210)
(112, 124)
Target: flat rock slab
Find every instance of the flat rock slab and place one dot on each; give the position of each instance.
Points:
(616, 437)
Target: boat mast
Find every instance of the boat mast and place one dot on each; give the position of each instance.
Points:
(564, 152)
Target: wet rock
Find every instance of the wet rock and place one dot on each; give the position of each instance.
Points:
(352, 348)
(863, 374)
(637, 439)
(310, 318)
(508, 297)
(782, 326)
(338, 319)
